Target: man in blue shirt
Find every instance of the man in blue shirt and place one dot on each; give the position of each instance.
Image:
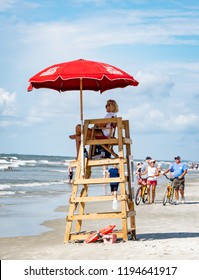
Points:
(179, 171)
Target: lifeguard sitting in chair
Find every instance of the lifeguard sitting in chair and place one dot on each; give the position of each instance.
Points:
(99, 131)
(104, 150)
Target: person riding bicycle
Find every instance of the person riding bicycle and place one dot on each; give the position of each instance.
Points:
(179, 171)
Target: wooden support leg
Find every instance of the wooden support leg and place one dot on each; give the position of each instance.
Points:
(81, 207)
(70, 215)
(125, 229)
(124, 210)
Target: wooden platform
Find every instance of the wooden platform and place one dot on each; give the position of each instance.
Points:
(120, 149)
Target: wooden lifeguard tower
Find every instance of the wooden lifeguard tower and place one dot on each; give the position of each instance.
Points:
(119, 146)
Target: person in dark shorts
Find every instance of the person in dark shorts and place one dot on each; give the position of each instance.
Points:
(179, 171)
(70, 174)
(113, 173)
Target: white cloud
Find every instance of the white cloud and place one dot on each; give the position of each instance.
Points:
(133, 27)
(18, 5)
(7, 4)
(185, 121)
(51, 106)
(147, 118)
(60, 40)
(7, 103)
(155, 83)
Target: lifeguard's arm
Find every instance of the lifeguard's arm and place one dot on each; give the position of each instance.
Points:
(100, 125)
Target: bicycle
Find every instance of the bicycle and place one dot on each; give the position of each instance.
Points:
(141, 193)
(169, 191)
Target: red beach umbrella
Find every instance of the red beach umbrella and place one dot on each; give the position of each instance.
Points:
(97, 76)
(81, 75)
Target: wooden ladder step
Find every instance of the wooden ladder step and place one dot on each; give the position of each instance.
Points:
(94, 216)
(100, 162)
(98, 198)
(102, 215)
(99, 181)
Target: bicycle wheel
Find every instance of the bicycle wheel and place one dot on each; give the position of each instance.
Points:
(165, 197)
(144, 196)
(170, 199)
(138, 196)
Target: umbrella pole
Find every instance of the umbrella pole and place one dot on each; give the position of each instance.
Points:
(82, 130)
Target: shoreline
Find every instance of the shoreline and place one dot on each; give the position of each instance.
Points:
(163, 233)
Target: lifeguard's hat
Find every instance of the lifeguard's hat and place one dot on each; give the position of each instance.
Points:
(147, 158)
(152, 160)
(177, 157)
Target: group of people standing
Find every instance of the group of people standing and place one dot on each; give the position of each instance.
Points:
(148, 172)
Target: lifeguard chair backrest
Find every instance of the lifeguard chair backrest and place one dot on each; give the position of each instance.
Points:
(112, 131)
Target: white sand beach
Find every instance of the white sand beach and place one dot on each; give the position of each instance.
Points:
(168, 232)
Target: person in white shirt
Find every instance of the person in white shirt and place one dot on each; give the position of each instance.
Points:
(152, 172)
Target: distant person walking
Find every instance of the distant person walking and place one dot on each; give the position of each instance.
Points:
(70, 174)
(179, 171)
(112, 173)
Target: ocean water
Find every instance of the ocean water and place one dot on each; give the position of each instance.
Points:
(33, 186)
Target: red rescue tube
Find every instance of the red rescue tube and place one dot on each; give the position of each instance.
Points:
(96, 235)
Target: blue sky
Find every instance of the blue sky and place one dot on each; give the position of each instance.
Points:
(155, 41)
